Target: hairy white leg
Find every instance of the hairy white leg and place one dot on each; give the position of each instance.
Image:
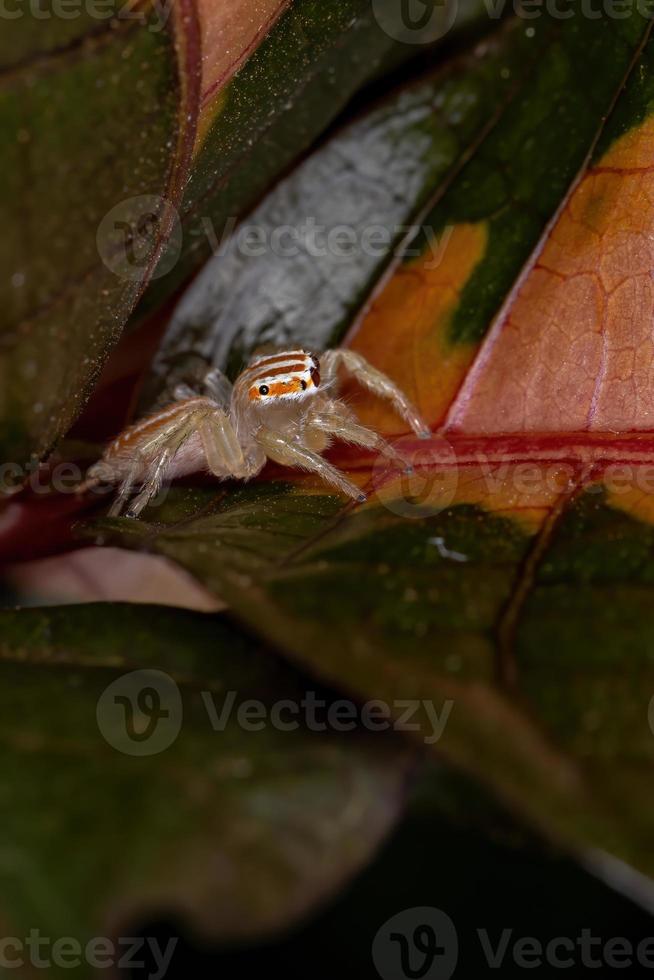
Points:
(152, 485)
(223, 451)
(288, 453)
(337, 420)
(218, 386)
(161, 451)
(126, 488)
(376, 382)
(175, 432)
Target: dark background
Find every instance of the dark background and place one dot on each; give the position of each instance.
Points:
(494, 879)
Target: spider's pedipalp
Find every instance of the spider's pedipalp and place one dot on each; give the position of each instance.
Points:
(223, 452)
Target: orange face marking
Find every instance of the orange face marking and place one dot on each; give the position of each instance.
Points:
(290, 387)
(281, 375)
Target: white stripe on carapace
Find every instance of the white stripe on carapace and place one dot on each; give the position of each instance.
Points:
(275, 363)
(285, 375)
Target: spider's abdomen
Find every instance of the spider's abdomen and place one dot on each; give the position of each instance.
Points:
(286, 376)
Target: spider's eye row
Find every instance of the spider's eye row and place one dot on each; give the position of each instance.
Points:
(263, 389)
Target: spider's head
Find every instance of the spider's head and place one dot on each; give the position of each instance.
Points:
(277, 379)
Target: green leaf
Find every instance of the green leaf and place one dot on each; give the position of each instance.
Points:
(240, 829)
(96, 129)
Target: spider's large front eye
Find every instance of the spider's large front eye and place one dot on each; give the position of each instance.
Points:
(263, 389)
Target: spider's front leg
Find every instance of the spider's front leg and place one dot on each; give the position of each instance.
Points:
(291, 453)
(375, 381)
(335, 419)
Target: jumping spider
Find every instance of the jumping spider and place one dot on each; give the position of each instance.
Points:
(281, 407)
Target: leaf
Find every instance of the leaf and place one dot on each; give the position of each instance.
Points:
(374, 180)
(586, 290)
(242, 829)
(70, 92)
(309, 66)
(511, 576)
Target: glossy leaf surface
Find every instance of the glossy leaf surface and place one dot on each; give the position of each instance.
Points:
(74, 188)
(144, 771)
